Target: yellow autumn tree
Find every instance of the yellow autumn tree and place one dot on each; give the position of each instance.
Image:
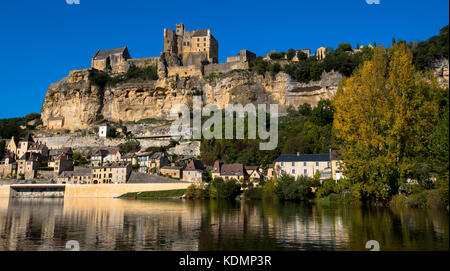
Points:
(385, 113)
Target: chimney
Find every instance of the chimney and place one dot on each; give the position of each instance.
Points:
(298, 153)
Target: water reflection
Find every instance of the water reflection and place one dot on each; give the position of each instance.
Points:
(114, 224)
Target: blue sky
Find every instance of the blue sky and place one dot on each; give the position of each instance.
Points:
(42, 40)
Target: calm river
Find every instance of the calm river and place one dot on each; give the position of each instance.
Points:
(115, 224)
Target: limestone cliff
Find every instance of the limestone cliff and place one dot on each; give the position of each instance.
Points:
(79, 103)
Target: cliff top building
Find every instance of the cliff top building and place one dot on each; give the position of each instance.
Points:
(190, 47)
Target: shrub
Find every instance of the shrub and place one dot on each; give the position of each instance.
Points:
(220, 189)
(130, 146)
(328, 187)
(194, 192)
(287, 188)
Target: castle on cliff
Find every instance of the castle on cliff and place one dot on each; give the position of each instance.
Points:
(186, 53)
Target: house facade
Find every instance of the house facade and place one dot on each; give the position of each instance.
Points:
(111, 174)
(171, 172)
(229, 171)
(308, 165)
(194, 172)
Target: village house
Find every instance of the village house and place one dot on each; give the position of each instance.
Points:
(11, 147)
(337, 172)
(255, 174)
(111, 174)
(97, 157)
(28, 165)
(151, 161)
(63, 163)
(79, 175)
(171, 172)
(40, 148)
(112, 157)
(65, 177)
(129, 158)
(8, 166)
(269, 172)
(229, 171)
(308, 165)
(304, 164)
(26, 144)
(53, 155)
(194, 172)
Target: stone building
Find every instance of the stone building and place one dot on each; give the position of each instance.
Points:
(321, 52)
(8, 165)
(103, 131)
(229, 171)
(61, 164)
(194, 172)
(113, 157)
(171, 171)
(254, 173)
(113, 60)
(191, 47)
(151, 160)
(111, 174)
(55, 123)
(97, 157)
(25, 145)
(79, 175)
(327, 164)
(28, 165)
(337, 172)
(243, 56)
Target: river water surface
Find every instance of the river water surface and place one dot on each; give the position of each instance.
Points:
(116, 224)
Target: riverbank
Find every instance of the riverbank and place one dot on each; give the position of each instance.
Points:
(163, 194)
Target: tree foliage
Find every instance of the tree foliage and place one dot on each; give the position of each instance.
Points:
(385, 113)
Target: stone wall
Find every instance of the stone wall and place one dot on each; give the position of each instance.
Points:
(4, 191)
(143, 62)
(224, 67)
(184, 71)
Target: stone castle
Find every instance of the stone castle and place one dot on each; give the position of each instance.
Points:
(186, 53)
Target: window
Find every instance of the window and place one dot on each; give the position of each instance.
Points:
(317, 164)
(337, 164)
(305, 171)
(282, 164)
(292, 171)
(305, 164)
(293, 164)
(328, 164)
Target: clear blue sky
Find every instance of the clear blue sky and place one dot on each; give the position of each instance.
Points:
(42, 40)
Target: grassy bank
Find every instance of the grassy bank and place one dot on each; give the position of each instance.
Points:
(177, 193)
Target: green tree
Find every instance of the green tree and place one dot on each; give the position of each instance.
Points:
(384, 113)
(130, 146)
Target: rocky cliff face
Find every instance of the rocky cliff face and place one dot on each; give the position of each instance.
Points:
(81, 103)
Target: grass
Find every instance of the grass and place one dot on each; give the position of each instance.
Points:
(156, 194)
